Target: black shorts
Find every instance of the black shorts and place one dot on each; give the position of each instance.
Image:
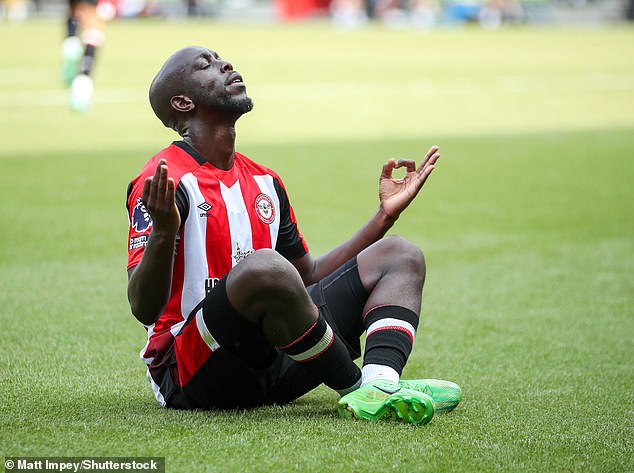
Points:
(247, 371)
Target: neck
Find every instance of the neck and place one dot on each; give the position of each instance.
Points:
(216, 142)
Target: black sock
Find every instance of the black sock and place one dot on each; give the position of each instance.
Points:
(71, 26)
(390, 332)
(321, 351)
(88, 60)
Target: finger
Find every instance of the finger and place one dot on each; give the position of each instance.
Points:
(425, 174)
(162, 182)
(170, 194)
(157, 171)
(145, 196)
(434, 149)
(409, 164)
(387, 169)
(429, 160)
(153, 184)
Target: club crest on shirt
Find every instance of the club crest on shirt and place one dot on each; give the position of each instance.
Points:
(141, 219)
(264, 208)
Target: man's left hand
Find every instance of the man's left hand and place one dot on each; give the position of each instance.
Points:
(396, 194)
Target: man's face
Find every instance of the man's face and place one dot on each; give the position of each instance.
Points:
(214, 84)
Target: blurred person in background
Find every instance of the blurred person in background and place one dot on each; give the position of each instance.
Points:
(85, 33)
(421, 13)
(14, 10)
(355, 13)
(349, 13)
(496, 12)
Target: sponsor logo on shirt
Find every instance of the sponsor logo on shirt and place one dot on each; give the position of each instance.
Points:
(210, 283)
(138, 242)
(264, 208)
(141, 219)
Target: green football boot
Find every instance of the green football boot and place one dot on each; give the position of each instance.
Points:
(72, 52)
(445, 394)
(388, 401)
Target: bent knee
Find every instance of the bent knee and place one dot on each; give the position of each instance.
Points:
(267, 270)
(401, 248)
(402, 252)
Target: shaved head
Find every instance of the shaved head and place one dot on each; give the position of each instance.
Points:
(198, 78)
(170, 81)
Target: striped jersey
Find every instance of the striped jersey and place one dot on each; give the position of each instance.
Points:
(225, 216)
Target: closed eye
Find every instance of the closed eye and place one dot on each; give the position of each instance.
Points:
(203, 63)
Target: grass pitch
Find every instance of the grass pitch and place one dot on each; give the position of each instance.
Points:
(527, 226)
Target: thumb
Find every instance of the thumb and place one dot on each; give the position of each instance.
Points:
(388, 168)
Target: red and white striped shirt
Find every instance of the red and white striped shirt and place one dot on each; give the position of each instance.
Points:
(225, 215)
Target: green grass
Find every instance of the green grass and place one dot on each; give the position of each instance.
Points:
(527, 226)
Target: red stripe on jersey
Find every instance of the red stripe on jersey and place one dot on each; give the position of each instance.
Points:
(221, 214)
(191, 352)
(218, 246)
(260, 233)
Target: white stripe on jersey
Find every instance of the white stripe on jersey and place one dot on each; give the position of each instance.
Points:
(387, 322)
(150, 332)
(195, 263)
(239, 221)
(265, 183)
(204, 332)
(156, 389)
(176, 328)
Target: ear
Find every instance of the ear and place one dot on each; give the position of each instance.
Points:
(182, 103)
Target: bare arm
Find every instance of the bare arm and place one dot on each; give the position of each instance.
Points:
(150, 282)
(395, 195)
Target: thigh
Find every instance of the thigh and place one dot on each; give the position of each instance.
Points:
(241, 338)
(340, 298)
(244, 370)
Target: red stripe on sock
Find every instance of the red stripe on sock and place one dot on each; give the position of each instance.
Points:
(392, 327)
(320, 353)
(299, 339)
(373, 308)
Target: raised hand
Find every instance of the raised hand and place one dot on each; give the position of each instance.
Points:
(396, 194)
(159, 197)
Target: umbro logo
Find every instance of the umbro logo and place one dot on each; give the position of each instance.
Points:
(205, 208)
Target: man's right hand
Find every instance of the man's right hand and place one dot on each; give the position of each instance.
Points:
(159, 197)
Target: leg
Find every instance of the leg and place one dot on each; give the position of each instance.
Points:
(267, 291)
(92, 28)
(393, 273)
(264, 294)
(72, 47)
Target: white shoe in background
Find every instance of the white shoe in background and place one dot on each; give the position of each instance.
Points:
(81, 93)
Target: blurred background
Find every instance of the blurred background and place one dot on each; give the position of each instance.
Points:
(352, 13)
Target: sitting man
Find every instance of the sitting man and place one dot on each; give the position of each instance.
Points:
(223, 281)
